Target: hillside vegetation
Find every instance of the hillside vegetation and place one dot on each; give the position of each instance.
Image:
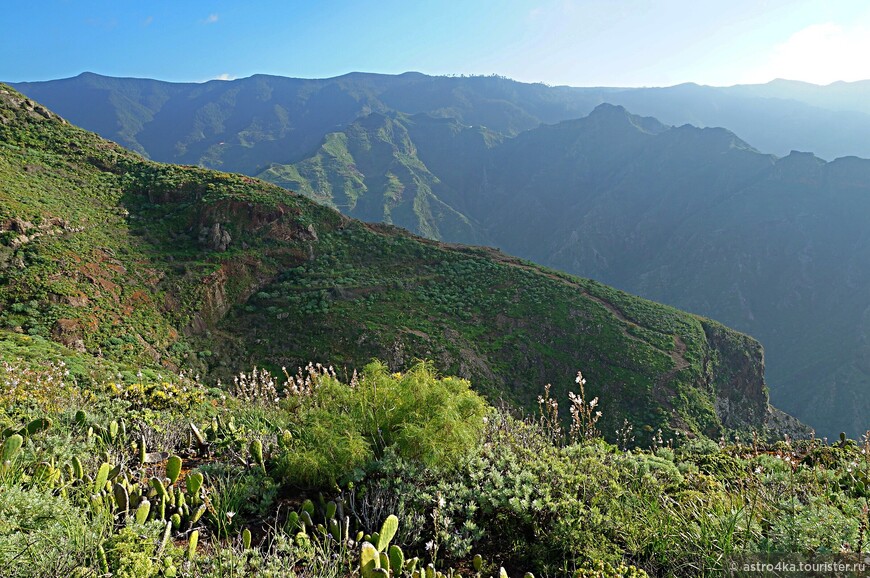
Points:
(179, 268)
(123, 279)
(405, 474)
(695, 218)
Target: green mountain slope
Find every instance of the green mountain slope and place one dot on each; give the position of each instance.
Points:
(696, 218)
(155, 266)
(372, 171)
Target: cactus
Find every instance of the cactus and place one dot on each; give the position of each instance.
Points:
(114, 472)
(502, 573)
(387, 533)
(246, 539)
(78, 470)
(198, 514)
(122, 497)
(165, 540)
(11, 447)
(256, 449)
(142, 511)
(36, 426)
(194, 483)
(369, 560)
(44, 472)
(331, 509)
(477, 562)
(143, 451)
(397, 558)
(173, 468)
(334, 529)
(102, 477)
(157, 484)
(306, 519)
(191, 544)
(292, 521)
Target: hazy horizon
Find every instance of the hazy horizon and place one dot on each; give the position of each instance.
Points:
(626, 43)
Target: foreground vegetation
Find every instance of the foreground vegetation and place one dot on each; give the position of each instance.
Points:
(386, 474)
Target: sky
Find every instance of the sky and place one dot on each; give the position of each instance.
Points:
(557, 42)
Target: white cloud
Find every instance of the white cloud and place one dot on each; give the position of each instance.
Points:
(148, 21)
(224, 76)
(821, 54)
(212, 18)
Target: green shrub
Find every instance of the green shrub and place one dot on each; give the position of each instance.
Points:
(341, 429)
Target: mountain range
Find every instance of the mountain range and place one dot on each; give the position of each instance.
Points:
(131, 269)
(771, 244)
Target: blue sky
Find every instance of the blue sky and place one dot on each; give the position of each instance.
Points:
(573, 42)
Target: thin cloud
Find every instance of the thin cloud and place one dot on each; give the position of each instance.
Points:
(212, 18)
(148, 21)
(224, 76)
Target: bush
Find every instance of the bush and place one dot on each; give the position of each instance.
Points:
(341, 429)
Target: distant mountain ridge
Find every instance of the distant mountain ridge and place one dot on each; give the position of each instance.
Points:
(696, 217)
(244, 125)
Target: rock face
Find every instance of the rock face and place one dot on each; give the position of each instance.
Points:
(738, 382)
(215, 237)
(68, 333)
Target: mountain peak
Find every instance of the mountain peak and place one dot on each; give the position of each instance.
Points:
(617, 114)
(606, 109)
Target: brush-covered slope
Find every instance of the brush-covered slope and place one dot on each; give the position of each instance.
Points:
(373, 171)
(693, 217)
(159, 266)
